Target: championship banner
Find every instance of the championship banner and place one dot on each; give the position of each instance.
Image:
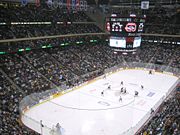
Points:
(81, 5)
(24, 2)
(60, 3)
(85, 5)
(77, 4)
(37, 3)
(73, 4)
(144, 4)
(55, 4)
(49, 3)
(68, 4)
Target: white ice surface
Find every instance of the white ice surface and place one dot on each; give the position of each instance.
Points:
(86, 112)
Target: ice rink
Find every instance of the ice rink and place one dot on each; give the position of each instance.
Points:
(85, 111)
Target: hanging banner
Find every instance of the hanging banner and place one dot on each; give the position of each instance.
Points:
(81, 5)
(49, 3)
(96, 1)
(60, 3)
(55, 4)
(37, 3)
(68, 4)
(85, 5)
(73, 4)
(144, 4)
(24, 2)
(77, 4)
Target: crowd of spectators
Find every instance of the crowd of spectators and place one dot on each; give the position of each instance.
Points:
(31, 13)
(166, 54)
(25, 31)
(48, 66)
(16, 69)
(163, 21)
(46, 22)
(167, 120)
(9, 109)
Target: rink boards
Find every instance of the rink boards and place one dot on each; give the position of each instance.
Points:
(84, 111)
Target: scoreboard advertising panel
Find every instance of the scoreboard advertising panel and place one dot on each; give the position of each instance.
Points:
(125, 42)
(125, 26)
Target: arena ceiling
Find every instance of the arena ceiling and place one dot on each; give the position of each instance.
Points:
(43, 1)
(112, 2)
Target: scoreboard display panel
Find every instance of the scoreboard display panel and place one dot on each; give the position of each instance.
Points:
(125, 42)
(118, 42)
(125, 26)
(137, 42)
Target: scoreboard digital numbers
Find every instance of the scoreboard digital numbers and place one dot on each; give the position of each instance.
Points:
(125, 26)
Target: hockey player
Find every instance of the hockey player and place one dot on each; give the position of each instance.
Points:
(152, 111)
(136, 93)
(121, 82)
(102, 93)
(58, 129)
(150, 72)
(120, 99)
(109, 87)
(124, 91)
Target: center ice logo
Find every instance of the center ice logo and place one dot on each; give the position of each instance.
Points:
(130, 27)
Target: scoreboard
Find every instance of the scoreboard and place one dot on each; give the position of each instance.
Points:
(125, 26)
(125, 32)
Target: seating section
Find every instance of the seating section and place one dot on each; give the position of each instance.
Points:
(9, 114)
(27, 31)
(43, 13)
(166, 121)
(46, 22)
